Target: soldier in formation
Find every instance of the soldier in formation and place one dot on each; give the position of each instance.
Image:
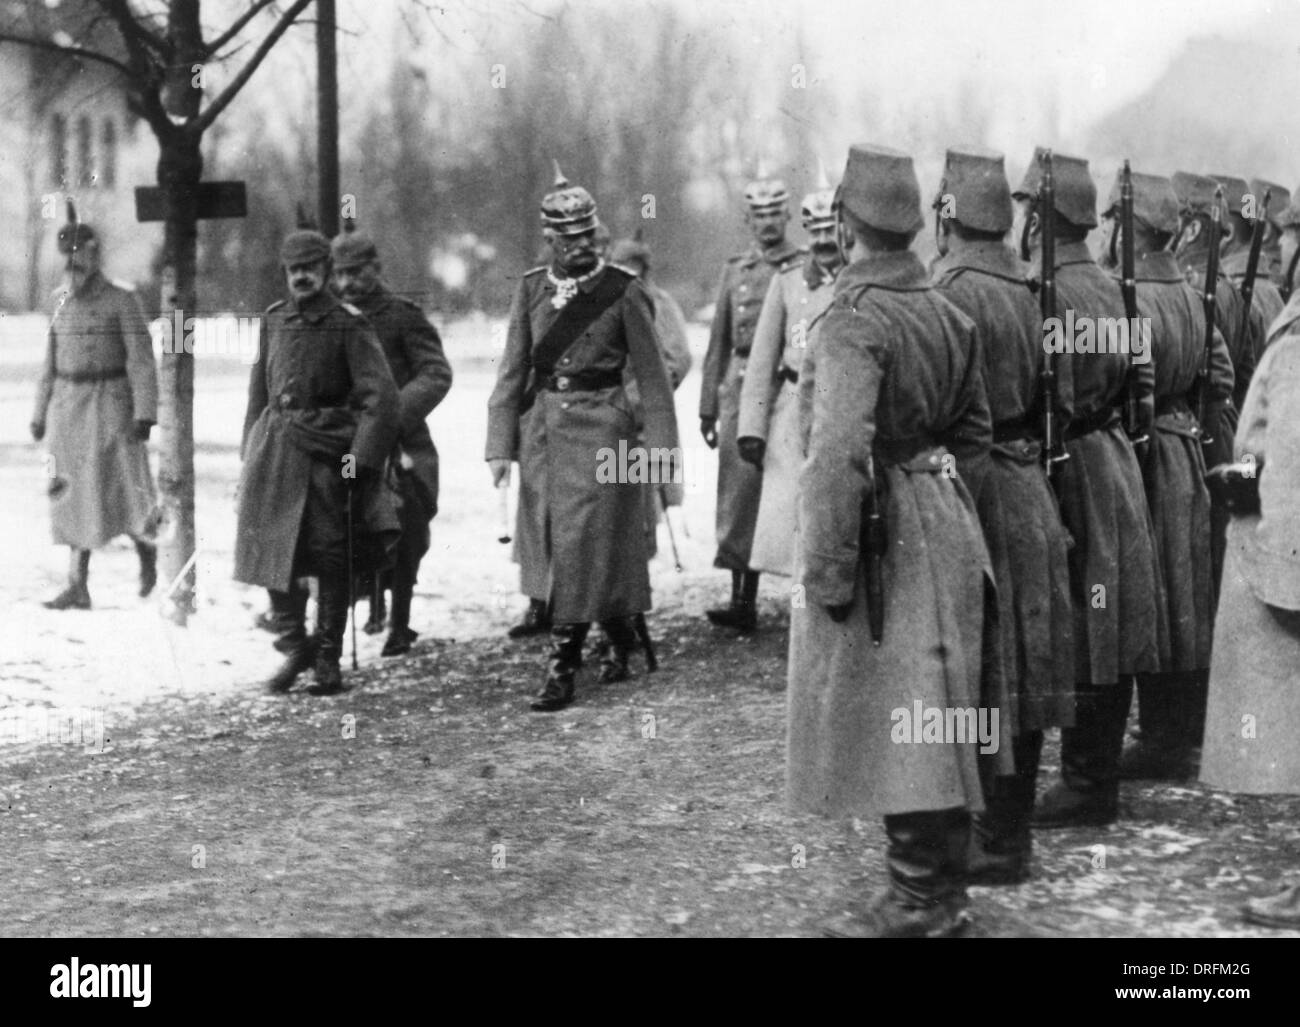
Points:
(740, 301)
(768, 427)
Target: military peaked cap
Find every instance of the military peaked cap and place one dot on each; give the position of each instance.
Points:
(976, 179)
(880, 188)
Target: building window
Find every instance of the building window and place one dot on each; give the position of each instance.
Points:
(85, 153)
(59, 150)
(108, 154)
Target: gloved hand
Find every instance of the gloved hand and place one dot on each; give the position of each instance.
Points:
(709, 429)
(752, 450)
(141, 429)
(840, 612)
(38, 430)
(500, 472)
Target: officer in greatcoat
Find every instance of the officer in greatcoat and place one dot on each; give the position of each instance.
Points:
(891, 391)
(768, 429)
(561, 410)
(1114, 576)
(97, 400)
(740, 300)
(984, 278)
(322, 419)
(1252, 730)
(423, 377)
(1171, 702)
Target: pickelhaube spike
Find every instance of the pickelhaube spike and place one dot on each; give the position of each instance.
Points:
(568, 209)
(823, 180)
(561, 182)
(72, 212)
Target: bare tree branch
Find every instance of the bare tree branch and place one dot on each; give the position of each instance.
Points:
(68, 51)
(237, 26)
(246, 72)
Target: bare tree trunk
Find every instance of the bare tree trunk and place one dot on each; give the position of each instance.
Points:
(179, 171)
(327, 119)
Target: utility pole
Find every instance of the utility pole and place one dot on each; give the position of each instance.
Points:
(327, 118)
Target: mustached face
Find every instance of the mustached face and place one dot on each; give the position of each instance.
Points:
(768, 227)
(82, 263)
(574, 253)
(357, 282)
(821, 241)
(307, 279)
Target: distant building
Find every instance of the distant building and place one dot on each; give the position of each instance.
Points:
(65, 130)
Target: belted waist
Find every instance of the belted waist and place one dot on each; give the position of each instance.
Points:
(1172, 405)
(742, 353)
(81, 377)
(582, 381)
(286, 401)
(788, 374)
(922, 452)
(1106, 417)
(1015, 429)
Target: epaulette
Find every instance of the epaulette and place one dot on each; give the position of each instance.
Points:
(626, 270)
(534, 270)
(404, 301)
(118, 284)
(789, 269)
(354, 311)
(275, 306)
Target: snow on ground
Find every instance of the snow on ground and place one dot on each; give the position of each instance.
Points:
(122, 651)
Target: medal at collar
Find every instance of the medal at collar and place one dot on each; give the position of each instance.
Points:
(567, 288)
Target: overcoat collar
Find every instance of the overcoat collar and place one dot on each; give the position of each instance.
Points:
(900, 270)
(993, 258)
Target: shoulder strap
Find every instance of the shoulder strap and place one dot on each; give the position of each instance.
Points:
(576, 317)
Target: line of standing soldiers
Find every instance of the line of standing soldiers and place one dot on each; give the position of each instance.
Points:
(920, 411)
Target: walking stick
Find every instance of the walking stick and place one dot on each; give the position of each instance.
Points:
(352, 585)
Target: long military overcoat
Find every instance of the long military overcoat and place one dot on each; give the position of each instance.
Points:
(320, 390)
(1027, 543)
(423, 377)
(740, 300)
(1114, 576)
(769, 406)
(1175, 470)
(98, 378)
(1252, 728)
(586, 534)
(893, 372)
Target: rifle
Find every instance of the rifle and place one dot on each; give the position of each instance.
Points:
(872, 543)
(1128, 287)
(1053, 445)
(1252, 261)
(1208, 299)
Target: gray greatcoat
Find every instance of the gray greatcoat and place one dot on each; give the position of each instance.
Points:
(98, 379)
(894, 373)
(586, 535)
(1252, 727)
(769, 406)
(740, 300)
(321, 390)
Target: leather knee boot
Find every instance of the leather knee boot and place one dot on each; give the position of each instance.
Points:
(622, 640)
(1161, 753)
(742, 613)
(147, 551)
(565, 659)
(926, 897)
(76, 596)
(289, 615)
(1001, 840)
(400, 635)
(331, 622)
(1088, 792)
(537, 620)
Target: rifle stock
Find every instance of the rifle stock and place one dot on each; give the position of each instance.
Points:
(1128, 287)
(1053, 443)
(1210, 303)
